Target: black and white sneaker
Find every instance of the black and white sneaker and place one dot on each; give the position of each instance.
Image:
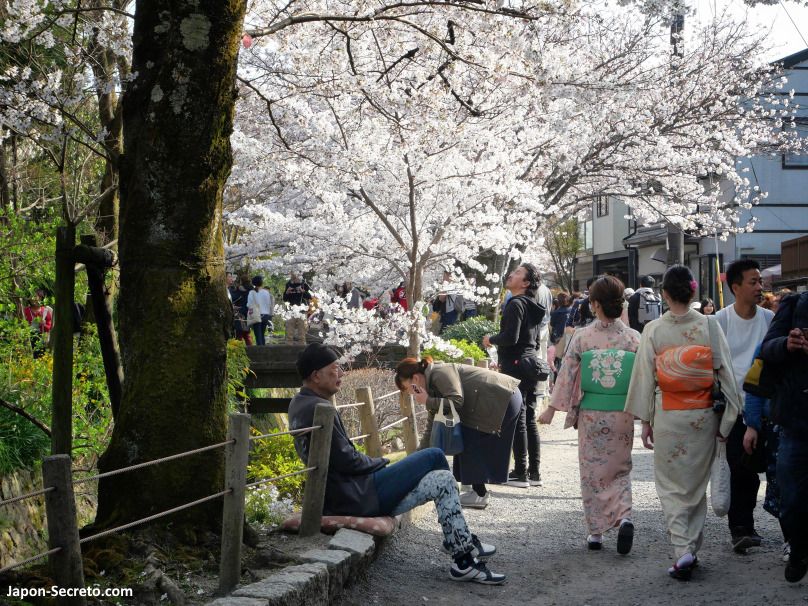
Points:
(519, 480)
(481, 551)
(534, 479)
(476, 573)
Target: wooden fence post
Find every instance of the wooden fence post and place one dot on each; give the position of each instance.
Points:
(63, 531)
(62, 337)
(319, 451)
(410, 427)
(236, 456)
(367, 421)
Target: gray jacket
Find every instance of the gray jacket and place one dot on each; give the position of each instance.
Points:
(480, 396)
(349, 489)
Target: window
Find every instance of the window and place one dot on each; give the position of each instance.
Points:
(585, 232)
(799, 161)
(602, 206)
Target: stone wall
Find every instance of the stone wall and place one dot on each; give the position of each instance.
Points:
(22, 524)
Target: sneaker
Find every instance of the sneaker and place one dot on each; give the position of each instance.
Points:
(473, 501)
(517, 479)
(534, 478)
(476, 573)
(481, 551)
(743, 539)
(786, 551)
(625, 537)
(796, 569)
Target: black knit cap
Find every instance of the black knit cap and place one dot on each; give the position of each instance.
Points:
(315, 357)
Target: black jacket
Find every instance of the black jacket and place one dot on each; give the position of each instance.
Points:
(296, 293)
(518, 328)
(349, 488)
(790, 402)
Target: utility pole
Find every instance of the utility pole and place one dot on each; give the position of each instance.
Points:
(675, 240)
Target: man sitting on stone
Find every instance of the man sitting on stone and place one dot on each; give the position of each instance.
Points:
(359, 485)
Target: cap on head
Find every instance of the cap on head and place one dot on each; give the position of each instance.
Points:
(315, 357)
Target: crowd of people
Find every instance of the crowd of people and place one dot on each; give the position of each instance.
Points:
(657, 357)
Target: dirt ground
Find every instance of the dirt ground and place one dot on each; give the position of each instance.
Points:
(541, 540)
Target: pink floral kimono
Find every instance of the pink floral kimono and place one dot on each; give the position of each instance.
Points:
(605, 437)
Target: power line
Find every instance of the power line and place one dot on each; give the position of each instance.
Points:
(793, 23)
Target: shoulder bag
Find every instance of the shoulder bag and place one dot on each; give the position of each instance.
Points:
(447, 433)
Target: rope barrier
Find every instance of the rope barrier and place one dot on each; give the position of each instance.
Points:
(354, 405)
(154, 517)
(155, 462)
(354, 439)
(29, 560)
(394, 423)
(293, 432)
(288, 475)
(388, 395)
(30, 495)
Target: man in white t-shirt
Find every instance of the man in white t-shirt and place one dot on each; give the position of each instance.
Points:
(745, 324)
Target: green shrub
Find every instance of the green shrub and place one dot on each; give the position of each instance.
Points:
(468, 350)
(472, 330)
(238, 367)
(272, 457)
(21, 442)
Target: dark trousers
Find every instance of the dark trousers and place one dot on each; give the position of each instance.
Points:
(526, 442)
(792, 475)
(744, 483)
(260, 329)
(396, 481)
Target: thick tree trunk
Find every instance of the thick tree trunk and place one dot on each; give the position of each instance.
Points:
(177, 115)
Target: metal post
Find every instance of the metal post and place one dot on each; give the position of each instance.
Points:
(236, 456)
(63, 530)
(319, 451)
(367, 421)
(410, 427)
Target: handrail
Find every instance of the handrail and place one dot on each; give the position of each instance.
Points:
(293, 432)
(275, 479)
(39, 556)
(30, 495)
(354, 405)
(154, 517)
(154, 462)
(388, 395)
(355, 438)
(394, 423)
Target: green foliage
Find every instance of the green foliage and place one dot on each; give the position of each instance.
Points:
(468, 350)
(272, 457)
(21, 442)
(472, 330)
(238, 367)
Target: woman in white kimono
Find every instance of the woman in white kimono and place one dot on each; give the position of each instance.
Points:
(591, 388)
(671, 392)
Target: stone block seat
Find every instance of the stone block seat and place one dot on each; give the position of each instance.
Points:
(382, 526)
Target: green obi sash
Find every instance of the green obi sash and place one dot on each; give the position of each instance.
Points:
(605, 375)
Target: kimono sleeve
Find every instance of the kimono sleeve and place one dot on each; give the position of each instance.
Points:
(567, 390)
(641, 397)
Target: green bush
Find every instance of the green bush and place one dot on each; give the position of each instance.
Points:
(468, 350)
(472, 330)
(22, 443)
(272, 457)
(238, 367)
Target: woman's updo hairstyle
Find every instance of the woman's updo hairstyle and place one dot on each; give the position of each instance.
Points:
(409, 367)
(608, 291)
(679, 283)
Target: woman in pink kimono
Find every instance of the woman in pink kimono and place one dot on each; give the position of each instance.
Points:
(591, 388)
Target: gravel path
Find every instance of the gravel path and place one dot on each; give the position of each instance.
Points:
(541, 540)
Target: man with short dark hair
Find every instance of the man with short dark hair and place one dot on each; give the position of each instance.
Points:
(359, 485)
(644, 305)
(580, 313)
(745, 324)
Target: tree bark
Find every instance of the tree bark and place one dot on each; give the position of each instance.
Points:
(173, 307)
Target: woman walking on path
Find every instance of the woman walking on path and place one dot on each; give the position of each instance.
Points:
(671, 393)
(516, 354)
(591, 388)
(488, 404)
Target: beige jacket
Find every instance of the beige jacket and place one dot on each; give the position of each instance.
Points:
(480, 396)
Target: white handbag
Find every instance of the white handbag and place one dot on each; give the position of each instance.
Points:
(719, 481)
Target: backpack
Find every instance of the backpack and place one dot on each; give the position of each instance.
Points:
(650, 306)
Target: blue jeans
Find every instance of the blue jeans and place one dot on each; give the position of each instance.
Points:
(396, 481)
(792, 475)
(260, 328)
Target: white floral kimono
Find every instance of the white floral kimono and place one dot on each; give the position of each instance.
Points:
(684, 440)
(604, 437)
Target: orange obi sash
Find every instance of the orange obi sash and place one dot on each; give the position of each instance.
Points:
(685, 377)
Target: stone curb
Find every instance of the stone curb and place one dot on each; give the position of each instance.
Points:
(321, 574)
